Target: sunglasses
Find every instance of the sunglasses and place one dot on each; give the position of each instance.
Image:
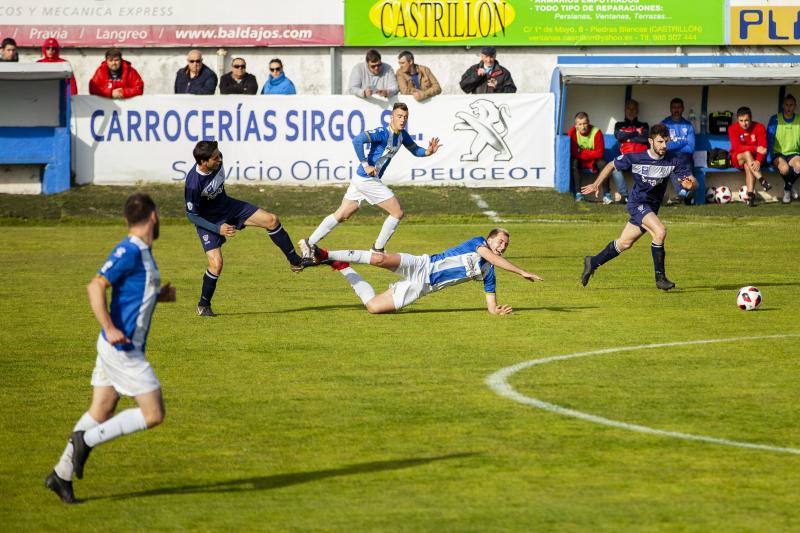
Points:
(277, 69)
(374, 65)
(50, 48)
(195, 61)
(239, 66)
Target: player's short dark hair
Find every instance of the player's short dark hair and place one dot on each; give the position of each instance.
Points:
(676, 100)
(742, 111)
(581, 114)
(657, 130)
(8, 41)
(203, 150)
(113, 52)
(790, 97)
(407, 55)
(400, 105)
(138, 207)
(495, 231)
(373, 56)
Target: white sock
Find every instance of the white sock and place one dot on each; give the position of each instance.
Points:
(389, 226)
(363, 289)
(64, 467)
(361, 257)
(126, 422)
(325, 227)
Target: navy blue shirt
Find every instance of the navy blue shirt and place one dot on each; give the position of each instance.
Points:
(205, 195)
(650, 175)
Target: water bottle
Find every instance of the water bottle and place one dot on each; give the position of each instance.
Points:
(704, 123)
(693, 119)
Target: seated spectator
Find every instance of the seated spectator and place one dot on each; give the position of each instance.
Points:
(195, 77)
(487, 76)
(373, 77)
(783, 143)
(8, 50)
(632, 138)
(681, 144)
(277, 82)
(238, 80)
(116, 78)
(51, 52)
(749, 150)
(586, 147)
(416, 80)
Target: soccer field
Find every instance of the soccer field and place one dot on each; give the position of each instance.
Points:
(295, 409)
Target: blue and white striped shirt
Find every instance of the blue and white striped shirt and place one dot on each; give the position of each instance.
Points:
(135, 281)
(462, 263)
(383, 145)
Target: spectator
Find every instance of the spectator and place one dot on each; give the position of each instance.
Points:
(195, 77)
(783, 143)
(373, 77)
(681, 144)
(632, 138)
(116, 78)
(51, 53)
(586, 147)
(749, 150)
(238, 80)
(8, 50)
(277, 82)
(416, 80)
(487, 76)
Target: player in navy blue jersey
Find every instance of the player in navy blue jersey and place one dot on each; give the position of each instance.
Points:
(474, 259)
(384, 143)
(651, 171)
(121, 368)
(218, 216)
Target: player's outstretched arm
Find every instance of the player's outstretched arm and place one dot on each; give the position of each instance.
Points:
(598, 182)
(493, 308)
(501, 262)
(97, 300)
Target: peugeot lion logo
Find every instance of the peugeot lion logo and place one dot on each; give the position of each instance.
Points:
(488, 121)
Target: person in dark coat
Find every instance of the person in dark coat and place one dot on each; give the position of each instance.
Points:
(195, 77)
(487, 76)
(238, 80)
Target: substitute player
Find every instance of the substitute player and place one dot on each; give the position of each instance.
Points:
(218, 216)
(474, 259)
(651, 173)
(384, 143)
(121, 368)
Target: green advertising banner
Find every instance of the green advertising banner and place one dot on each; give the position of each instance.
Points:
(534, 22)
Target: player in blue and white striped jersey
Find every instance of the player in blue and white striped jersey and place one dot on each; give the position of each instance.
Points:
(651, 171)
(472, 260)
(384, 143)
(121, 368)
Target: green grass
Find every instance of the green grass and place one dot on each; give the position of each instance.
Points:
(295, 409)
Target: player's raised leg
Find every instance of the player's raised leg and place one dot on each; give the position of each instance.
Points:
(279, 236)
(392, 207)
(630, 234)
(658, 232)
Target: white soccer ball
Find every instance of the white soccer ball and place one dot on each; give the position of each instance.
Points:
(743, 193)
(723, 195)
(749, 298)
(711, 193)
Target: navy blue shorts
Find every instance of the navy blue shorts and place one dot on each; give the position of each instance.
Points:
(237, 213)
(639, 211)
(787, 158)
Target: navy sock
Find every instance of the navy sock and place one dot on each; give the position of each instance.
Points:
(209, 286)
(606, 254)
(789, 180)
(284, 242)
(658, 258)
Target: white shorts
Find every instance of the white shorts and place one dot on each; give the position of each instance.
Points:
(414, 269)
(128, 372)
(371, 190)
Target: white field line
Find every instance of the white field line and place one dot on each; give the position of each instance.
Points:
(498, 382)
(481, 203)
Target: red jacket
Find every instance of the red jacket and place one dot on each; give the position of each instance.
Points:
(586, 158)
(73, 87)
(747, 140)
(130, 82)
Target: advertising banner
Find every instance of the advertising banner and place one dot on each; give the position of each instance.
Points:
(533, 22)
(497, 141)
(760, 22)
(88, 23)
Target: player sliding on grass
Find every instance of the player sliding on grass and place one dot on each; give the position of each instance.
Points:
(651, 172)
(474, 259)
(384, 143)
(121, 367)
(218, 216)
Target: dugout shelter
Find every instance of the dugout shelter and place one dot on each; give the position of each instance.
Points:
(600, 85)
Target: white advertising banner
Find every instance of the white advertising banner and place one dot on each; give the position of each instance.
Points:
(503, 140)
